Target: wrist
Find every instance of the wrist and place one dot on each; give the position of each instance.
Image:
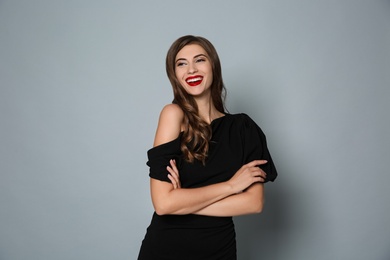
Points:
(230, 188)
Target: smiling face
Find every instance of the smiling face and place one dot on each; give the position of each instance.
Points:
(193, 70)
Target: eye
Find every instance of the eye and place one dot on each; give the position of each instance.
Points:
(200, 60)
(181, 64)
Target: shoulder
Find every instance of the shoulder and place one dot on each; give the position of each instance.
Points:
(172, 110)
(169, 124)
(245, 123)
(242, 119)
(171, 114)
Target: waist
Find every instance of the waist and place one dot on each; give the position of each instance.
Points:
(190, 221)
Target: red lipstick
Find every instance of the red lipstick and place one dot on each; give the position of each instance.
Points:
(194, 80)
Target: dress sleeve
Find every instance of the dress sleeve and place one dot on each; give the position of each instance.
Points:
(255, 147)
(159, 157)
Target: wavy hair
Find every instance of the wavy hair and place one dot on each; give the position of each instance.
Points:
(197, 135)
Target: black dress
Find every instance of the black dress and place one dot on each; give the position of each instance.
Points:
(236, 140)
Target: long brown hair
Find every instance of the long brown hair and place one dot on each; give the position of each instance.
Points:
(196, 137)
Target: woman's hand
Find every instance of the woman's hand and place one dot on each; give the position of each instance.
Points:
(247, 175)
(174, 174)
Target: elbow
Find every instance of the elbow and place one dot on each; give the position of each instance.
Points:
(160, 213)
(165, 208)
(161, 209)
(258, 206)
(258, 209)
(161, 205)
(165, 205)
(257, 199)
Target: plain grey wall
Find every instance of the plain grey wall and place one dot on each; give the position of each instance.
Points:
(83, 82)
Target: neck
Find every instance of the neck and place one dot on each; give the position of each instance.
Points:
(207, 110)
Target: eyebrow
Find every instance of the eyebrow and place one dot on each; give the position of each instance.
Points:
(196, 56)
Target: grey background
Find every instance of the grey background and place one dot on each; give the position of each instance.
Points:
(83, 82)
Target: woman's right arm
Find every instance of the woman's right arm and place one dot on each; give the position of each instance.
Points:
(167, 200)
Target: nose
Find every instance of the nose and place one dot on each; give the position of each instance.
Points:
(192, 68)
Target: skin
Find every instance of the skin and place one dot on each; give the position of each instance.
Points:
(242, 194)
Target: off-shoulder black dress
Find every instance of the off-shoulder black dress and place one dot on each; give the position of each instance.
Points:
(236, 140)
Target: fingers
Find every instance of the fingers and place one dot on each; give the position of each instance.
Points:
(258, 173)
(174, 182)
(253, 166)
(256, 163)
(247, 175)
(174, 174)
(173, 165)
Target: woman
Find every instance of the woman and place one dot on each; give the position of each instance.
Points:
(206, 165)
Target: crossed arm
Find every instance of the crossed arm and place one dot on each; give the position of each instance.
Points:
(242, 194)
(248, 202)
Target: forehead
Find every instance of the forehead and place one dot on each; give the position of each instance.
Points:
(190, 51)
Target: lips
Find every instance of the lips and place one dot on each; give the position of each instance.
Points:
(194, 81)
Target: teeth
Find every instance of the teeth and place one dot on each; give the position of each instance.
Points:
(194, 79)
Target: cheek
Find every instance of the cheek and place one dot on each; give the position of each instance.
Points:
(179, 78)
(179, 75)
(210, 77)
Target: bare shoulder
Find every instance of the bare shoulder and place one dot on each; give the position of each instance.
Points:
(172, 110)
(169, 124)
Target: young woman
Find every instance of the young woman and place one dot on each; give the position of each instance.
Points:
(206, 165)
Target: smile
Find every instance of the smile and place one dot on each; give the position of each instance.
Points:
(194, 81)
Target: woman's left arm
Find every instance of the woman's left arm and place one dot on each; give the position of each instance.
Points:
(250, 201)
